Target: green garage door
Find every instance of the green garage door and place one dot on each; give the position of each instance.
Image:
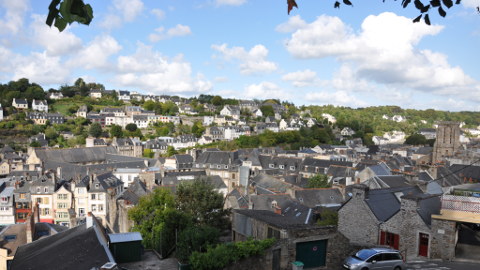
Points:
(312, 254)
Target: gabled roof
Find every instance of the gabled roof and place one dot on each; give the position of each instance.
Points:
(75, 155)
(324, 197)
(76, 248)
(427, 205)
(106, 181)
(215, 157)
(446, 178)
(183, 159)
(380, 169)
(385, 202)
(386, 181)
(275, 220)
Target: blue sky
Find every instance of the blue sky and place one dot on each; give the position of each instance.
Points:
(367, 55)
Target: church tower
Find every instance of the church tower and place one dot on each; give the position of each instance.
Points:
(447, 141)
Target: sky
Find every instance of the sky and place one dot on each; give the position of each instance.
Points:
(370, 54)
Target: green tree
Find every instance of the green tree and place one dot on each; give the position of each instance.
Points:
(267, 110)
(205, 205)
(148, 153)
(328, 217)
(318, 181)
(95, 130)
(116, 131)
(171, 151)
(196, 239)
(217, 100)
(131, 127)
(416, 139)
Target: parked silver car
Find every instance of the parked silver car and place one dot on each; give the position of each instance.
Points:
(375, 258)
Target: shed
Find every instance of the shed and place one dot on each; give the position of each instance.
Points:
(126, 247)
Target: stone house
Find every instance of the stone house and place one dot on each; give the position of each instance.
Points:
(62, 203)
(128, 147)
(222, 163)
(397, 217)
(317, 247)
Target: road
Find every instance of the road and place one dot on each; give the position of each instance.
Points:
(438, 265)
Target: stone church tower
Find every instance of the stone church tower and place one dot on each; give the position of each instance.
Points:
(447, 142)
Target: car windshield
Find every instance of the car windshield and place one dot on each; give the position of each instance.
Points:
(365, 254)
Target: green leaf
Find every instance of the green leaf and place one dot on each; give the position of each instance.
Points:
(65, 7)
(60, 23)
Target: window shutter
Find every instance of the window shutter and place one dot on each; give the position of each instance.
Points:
(396, 241)
(382, 238)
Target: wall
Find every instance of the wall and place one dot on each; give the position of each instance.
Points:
(443, 239)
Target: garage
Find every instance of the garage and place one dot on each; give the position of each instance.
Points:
(312, 253)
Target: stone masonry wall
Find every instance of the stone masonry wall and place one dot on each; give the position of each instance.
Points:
(443, 239)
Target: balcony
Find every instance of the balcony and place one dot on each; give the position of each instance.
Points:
(460, 209)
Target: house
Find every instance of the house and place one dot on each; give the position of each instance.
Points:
(104, 188)
(222, 163)
(79, 187)
(96, 93)
(83, 247)
(141, 121)
(249, 105)
(313, 166)
(55, 95)
(127, 175)
(231, 111)
(20, 103)
(40, 105)
(398, 217)
(7, 206)
(133, 110)
(126, 200)
(41, 118)
(429, 133)
(128, 147)
(115, 111)
(124, 95)
(179, 162)
(4, 167)
(315, 246)
(62, 203)
(23, 201)
(41, 193)
(346, 131)
(156, 146)
(82, 111)
(370, 171)
(257, 113)
(216, 133)
(329, 117)
(1, 112)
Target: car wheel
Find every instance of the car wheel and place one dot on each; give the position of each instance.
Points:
(397, 268)
(365, 268)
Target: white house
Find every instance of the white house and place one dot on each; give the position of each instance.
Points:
(124, 95)
(40, 105)
(208, 120)
(329, 117)
(127, 175)
(347, 131)
(20, 103)
(55, 95)
(230, 110)
(1, 112)
(257, 113)
(96, 93)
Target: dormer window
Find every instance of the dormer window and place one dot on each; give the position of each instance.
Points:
(271, 165)
(45, 189)
(281, 166)
(38, 189)
(292, 168)
(97, 185)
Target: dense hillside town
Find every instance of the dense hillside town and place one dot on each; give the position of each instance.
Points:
(100, 177)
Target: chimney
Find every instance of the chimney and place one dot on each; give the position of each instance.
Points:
(59, 172)
(30, 227)
(277, 210)
(360, 191)
(36, 213)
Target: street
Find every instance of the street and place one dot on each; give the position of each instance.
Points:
(438, 265)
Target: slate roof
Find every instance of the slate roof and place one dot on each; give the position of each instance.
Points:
(106, 181)
(309, 164)
(468, 171)
(20, 101)
(184, 159)
(324, 197)
(381, 169)
(76, 248)
(446, 178)
(264, 201)
(216, 157)
(387, 181)
(424, 176)
(241, 200)
(270, 183)
(134, 191)
(6, 149)
(385, 203)
(427, 205)
(75, 155)
(275, 220)
(426, 150)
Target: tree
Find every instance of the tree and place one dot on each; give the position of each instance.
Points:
(158, 221)
(95, 130)
(196, 239)
(116, 131)
(171, 151)
(199, 200)
(131, 127)
(318, 181)
(416, 139)
(217, 100)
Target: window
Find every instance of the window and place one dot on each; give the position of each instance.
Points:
(38, 200)
(101, 196)
(100, 207)
(45, 189)
(81, 191)
(94, 196)
(38, 189)
(94, 208)
(4, 199)
(62, 205)
(281, 166)
(45, 211)
(45, 200)
(62, 196)
(81, 211)
(292, 168)
(22, 196)
(271, 166)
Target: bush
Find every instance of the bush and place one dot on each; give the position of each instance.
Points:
(222, 255)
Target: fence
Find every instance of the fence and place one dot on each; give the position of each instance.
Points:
(461, 203)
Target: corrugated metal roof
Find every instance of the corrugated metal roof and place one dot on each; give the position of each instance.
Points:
(125, 237)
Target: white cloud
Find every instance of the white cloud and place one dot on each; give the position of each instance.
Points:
(53, 41)
(251, 62)
(122, 11)
(339, 98)
(148, 69)
(294, 23)
(12, 22)
(96, 53)
(265, 90)
(160, 14)
(383, 51)
(230, 2)
(471, 3)
(40, 68)
(177, 31)
(301, 78)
